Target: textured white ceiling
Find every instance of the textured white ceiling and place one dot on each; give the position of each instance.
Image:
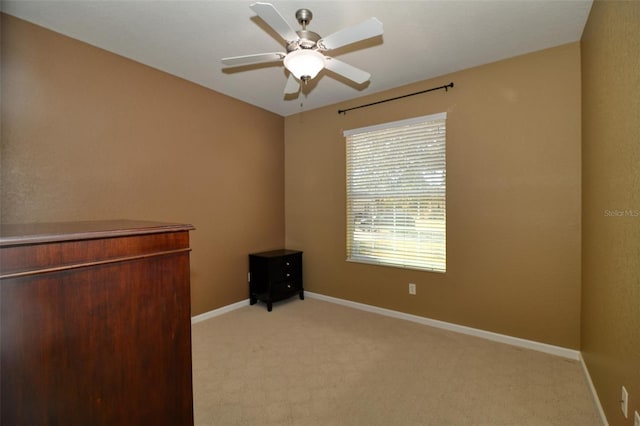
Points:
(422, 39)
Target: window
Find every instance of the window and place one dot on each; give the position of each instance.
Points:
(396, 193)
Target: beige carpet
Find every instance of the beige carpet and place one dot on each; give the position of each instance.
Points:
(317, 363)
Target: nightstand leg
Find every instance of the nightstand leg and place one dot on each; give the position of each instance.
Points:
(269, 306)
(252, 300)
(301, 294)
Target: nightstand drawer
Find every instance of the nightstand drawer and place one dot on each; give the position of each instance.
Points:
(284, 287)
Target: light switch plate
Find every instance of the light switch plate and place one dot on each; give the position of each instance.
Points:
(624, 402)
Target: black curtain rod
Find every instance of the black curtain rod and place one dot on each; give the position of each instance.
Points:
(445, 87)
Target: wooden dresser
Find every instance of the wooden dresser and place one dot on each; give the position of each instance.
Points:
(95, 324)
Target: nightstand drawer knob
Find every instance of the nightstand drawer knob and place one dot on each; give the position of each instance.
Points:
(288, 285)
(288, 275)
(288, 264)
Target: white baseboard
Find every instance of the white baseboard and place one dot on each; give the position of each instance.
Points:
(219, 311)
(502, 338)
(594, 393)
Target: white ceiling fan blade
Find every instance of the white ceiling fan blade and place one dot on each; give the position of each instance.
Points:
(235, 61)
(348, 71)
(293, 85)
(364, 30)
(272, 17)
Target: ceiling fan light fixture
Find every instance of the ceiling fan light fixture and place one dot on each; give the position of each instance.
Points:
(304, 64)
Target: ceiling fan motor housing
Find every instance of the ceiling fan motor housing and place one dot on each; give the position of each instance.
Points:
(307, 40)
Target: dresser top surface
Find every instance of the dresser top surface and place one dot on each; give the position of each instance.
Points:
(33, 233)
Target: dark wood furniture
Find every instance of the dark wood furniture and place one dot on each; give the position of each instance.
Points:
(275, 275)
(95, 324)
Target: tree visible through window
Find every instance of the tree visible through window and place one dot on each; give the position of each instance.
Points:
(396, 193)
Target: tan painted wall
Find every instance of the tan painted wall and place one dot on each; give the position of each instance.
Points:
(611, 203)
(513, 176)
(87, 134)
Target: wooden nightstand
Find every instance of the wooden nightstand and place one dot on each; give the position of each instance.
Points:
(275, 275)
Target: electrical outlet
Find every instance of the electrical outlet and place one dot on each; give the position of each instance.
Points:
(636, 419)
(412, 288)
(624, 402)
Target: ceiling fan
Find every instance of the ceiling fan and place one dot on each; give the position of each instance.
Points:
(304, 58)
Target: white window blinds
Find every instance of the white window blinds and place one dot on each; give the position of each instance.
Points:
(396, 193)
